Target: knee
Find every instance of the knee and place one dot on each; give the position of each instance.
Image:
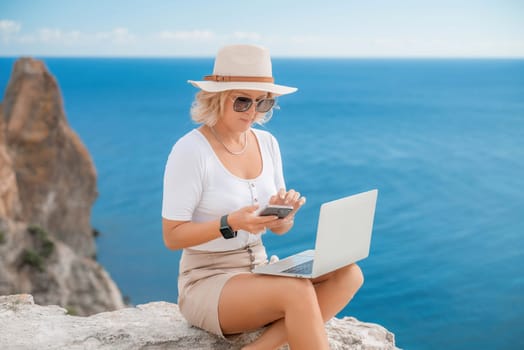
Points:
(351, 276)
(357, 274)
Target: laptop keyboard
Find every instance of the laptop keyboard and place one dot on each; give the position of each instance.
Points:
(302, 269)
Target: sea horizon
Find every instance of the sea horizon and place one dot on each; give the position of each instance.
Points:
(291, 57)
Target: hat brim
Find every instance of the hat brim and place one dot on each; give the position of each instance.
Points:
(213, 86)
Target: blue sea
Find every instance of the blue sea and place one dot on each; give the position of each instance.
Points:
(442, 140)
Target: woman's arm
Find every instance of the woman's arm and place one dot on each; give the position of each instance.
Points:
(185, 234)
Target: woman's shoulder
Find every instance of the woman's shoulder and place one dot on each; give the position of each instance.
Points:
(264, 135)
(191, 139)
(193, 142)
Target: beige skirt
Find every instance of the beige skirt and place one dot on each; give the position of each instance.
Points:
(203, 275)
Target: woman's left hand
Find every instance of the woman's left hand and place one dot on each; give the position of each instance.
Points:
(292, 198)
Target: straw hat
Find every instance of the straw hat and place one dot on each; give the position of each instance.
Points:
(242, 67)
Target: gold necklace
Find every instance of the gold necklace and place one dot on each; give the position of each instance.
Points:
(227, 149)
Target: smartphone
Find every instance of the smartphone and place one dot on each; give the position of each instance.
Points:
(279, 210)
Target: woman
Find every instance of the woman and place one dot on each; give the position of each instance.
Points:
(217, 178)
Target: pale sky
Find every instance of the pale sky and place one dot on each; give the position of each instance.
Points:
(327, 28)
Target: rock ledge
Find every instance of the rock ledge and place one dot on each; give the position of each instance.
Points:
(156, 325)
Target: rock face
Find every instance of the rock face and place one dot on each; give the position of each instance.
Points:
(47, 189)
(55, 176)
(157, 325)
(9, 197)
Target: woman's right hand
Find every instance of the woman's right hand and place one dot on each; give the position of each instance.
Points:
(247, 219)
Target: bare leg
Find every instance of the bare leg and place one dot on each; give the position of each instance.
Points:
(250, 301)
(333, 291)
(336, 289)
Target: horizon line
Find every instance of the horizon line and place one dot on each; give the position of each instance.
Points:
(273, 57)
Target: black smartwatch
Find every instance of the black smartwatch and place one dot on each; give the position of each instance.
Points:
(226, 230)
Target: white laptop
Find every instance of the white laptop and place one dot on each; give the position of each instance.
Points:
(343, 237)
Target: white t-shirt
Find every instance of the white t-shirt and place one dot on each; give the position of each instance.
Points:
(198, 188)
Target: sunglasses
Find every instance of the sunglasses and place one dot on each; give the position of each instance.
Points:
(242, 104)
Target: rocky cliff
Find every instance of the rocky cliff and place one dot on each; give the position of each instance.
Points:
(157, 325)
(47, 189)
(55, 176)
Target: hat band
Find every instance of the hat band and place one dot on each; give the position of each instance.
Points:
(228, 78)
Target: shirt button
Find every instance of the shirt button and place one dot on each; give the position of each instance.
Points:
(256, 199)
(252, 185)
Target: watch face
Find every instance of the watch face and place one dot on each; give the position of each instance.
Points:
(225, 229)
(227, 232)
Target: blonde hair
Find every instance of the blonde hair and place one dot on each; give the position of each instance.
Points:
(209, 106)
